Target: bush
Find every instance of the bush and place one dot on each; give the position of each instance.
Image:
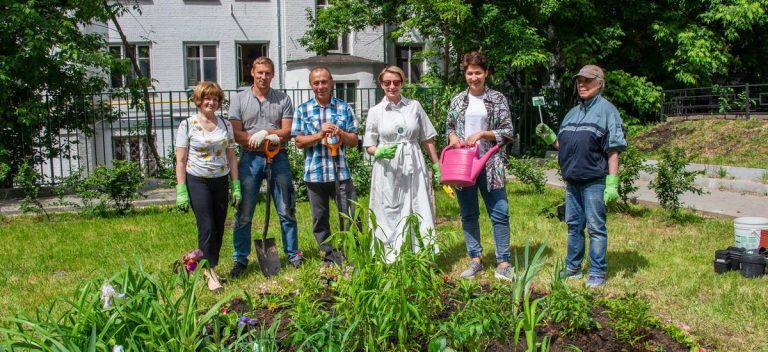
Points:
(632, 163)
(529, 172)
(672, 179)
(360, 168)
(29, 180)
(112, 187)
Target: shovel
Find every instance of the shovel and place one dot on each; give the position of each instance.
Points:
(266, 251)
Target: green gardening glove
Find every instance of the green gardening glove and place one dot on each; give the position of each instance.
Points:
(182, 197)
(611, 193)
(546, 133)
(234, 192)
(436, 170)
(385, 152)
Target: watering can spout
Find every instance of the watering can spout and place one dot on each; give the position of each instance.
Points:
(479, 164)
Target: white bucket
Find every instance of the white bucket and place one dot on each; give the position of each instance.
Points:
(747, 231)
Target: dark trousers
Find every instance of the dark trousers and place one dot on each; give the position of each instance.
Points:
(320, 194)
(208, 198)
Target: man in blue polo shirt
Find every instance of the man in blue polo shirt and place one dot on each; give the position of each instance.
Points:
(320, 117)
(260, 113)
(590, 139)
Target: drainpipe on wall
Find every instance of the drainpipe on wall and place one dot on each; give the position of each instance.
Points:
(279, 45)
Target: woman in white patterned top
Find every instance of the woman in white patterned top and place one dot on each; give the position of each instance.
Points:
(205, 160)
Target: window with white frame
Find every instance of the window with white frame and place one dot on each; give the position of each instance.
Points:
(246, 53)
(410, 61)
(321, 3)
(346, 91)
(201, 63)
(141, 51)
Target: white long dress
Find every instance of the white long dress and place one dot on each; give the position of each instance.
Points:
(400, 186)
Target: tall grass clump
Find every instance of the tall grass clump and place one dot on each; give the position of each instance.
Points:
(134, 309)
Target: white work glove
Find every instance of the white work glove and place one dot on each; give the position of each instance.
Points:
(273, 138)
(257, 138)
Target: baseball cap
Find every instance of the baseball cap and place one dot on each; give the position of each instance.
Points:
(590, 71)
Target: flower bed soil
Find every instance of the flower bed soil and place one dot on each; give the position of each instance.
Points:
(599, 340)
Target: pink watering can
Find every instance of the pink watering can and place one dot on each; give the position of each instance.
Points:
(460, 167)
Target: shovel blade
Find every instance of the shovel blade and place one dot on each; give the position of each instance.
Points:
(269, 260)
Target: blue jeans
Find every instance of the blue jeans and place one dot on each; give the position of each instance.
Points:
(498, 210)
(252, 169)
(585, 207)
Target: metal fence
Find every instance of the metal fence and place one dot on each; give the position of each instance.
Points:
(732, 101)
(126, 137)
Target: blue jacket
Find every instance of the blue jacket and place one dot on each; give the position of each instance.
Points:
(588, 132)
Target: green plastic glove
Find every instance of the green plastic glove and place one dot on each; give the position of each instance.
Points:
(611, 193)
(385, 152)
(234, 192)
(436, 170)
(546, 133)
(182, 197)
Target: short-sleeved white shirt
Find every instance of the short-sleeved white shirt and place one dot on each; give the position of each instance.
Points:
(207, 156)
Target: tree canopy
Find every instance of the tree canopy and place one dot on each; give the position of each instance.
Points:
(49, 63)
(644, 45)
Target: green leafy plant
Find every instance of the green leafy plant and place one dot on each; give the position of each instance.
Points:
(570, 308)
(632, 164)
(477, 322)
(135, 309)
(529, 172)
(296, 162)
(631, 317)
(390, 303)
(29, 180)
(105, 187)
(522, 289)
(168, 171)
(360, 170)
(672, 179)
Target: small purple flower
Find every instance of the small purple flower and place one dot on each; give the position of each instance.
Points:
(240, 324)
(252, 322)
(244, 319)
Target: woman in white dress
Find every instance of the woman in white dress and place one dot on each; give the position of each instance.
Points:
(400, 184)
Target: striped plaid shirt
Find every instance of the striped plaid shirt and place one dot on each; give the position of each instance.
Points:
(307, 119)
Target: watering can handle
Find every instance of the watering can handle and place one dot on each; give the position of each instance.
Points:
(270, 153)
(447, 148)
(334, 147)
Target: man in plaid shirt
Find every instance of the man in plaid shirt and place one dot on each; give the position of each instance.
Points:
(320, 117)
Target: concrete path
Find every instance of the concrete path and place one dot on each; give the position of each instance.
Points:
(741, 193)
(722, 200)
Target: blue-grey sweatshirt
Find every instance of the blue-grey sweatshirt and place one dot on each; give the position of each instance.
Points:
(588, 132)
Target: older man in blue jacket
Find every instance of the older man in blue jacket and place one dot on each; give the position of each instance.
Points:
(590, 139)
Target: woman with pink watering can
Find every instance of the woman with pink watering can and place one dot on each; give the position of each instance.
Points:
(400, 184)
(479, 118)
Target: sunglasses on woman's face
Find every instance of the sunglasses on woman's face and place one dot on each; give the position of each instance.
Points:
(396, 83)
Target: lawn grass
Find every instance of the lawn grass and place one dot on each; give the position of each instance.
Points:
(668, 262)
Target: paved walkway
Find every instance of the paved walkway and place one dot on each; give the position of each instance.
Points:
(726, 197)
(720, 201)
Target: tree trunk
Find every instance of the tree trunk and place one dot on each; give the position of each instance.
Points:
(147, 107)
